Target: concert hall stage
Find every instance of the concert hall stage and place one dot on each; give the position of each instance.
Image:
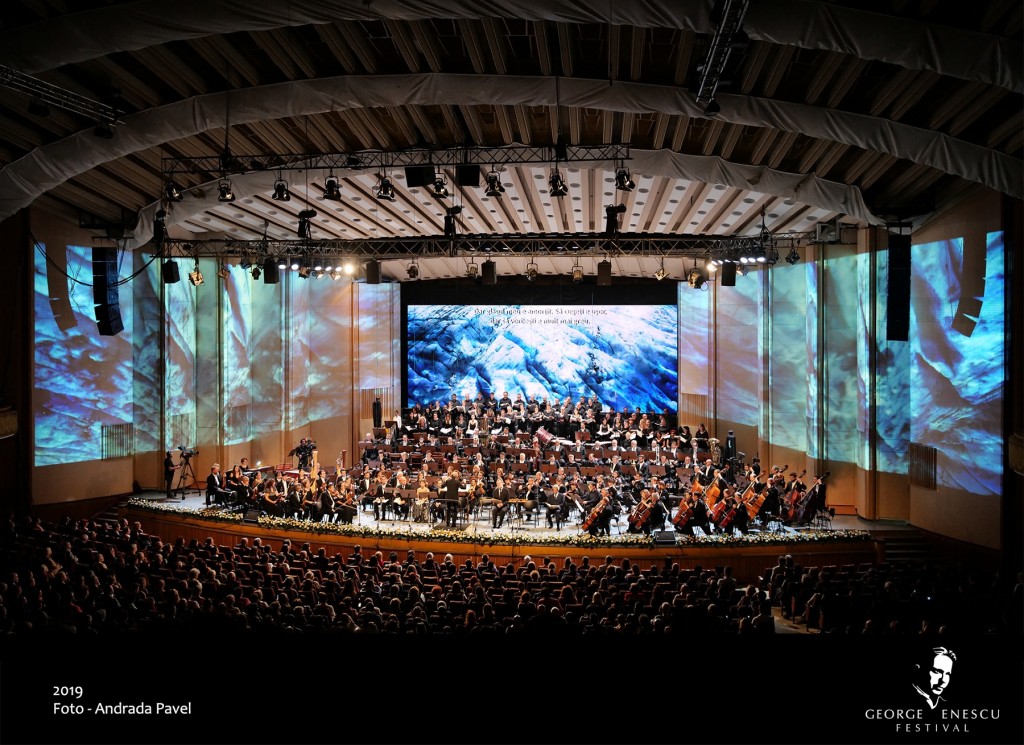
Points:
(748, 555)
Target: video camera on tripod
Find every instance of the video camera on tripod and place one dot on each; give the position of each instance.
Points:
(187, 453)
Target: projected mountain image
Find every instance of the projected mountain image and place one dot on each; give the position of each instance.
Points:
(626, 356)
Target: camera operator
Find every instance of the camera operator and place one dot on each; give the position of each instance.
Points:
(169, 470)
(304, 452)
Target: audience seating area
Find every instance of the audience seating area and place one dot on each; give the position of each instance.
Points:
(95, 577)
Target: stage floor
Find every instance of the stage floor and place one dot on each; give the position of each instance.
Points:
(482, 523)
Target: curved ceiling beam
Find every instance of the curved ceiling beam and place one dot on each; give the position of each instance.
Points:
(967, 55)
(811, 190)
(46, 167)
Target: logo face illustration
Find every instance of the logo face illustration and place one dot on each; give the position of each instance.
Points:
(934, 675)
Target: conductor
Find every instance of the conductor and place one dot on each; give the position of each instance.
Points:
(451, 497)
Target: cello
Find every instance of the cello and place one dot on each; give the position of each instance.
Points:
(595, 513)
(685, 511)
(642, 511)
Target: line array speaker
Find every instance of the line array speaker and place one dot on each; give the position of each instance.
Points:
(419, 176)
(604, 272)
(271, 274)
(727, 272)
(897, 306)
(489, 272)
(373, 272)
(105, 291)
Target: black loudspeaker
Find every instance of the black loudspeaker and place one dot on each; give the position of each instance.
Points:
(271, 274)
(251, 516)
(604, 272)
(467, 175)
(373, 272)
(419, 176)
(897, 327)
(169, 271)
(108, 319)
(664, 537)
(104, 274)
(727, 272)
(489, 272)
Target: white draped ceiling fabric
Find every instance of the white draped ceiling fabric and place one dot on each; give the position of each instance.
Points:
(966, 55)
(42, 169)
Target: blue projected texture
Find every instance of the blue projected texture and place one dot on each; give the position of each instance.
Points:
(624, 355)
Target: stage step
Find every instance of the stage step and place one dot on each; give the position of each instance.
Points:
(907, 545)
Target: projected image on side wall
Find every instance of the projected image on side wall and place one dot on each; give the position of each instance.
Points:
(626, 356)
(957, 348)
(83, 381)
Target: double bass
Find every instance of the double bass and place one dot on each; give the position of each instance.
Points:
(793, 499)
(808, 502)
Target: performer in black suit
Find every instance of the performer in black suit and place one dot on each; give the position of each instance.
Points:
(452, 487)
(378, 413)
(501, 494)
(215, 490)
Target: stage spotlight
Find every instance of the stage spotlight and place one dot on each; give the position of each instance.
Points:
(438, 190)
(623, 181)
(196, 276)
(224, 191)
(318, 266)
(661, 273)
(712, 266)
(494, 187)
(332, 188)
(793, 256)
(771, 256)
(256, 272)
(577, 273)
(696, 278)
(173, 192)
(349, 267)
(305, 269)
(413, 270)
(305, 224)
(223, 272)
(281, 193)
(557, 184)
(531, 271)
(335, 275)
(472, 270)
(294, 264)
(385, 189)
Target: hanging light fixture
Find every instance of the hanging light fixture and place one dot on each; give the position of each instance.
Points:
(494, 186)
(472, 270)
(196, 276)
(385, 189)
(577, 272)
(661, 273)
(557, 184)
(224, 191)
(793, 256)
(623, 181)
(531, 271)
(332, 188)
(281, 193)
(438, 189)
(173, 192)
(305, 228)
(413, 270)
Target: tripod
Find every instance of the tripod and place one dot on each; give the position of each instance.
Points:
(186, 478)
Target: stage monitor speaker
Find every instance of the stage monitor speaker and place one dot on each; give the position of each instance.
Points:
(169, 272)
(271, 272)
(108, 319)
(489, 272)
(373, 272)
(664, 537)
(467, 175)
(251, 516)
(897, 308)
(604, 272)
(419, 176)
(727, 272)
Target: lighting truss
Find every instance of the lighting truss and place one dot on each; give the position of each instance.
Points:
(381, 160)
(722, 43)
(61, 98)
